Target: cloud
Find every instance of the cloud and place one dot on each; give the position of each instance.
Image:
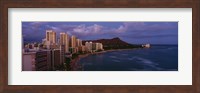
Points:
(149, 29)
(95, 29)
(83, 30)
(52, 27)
(33, 30)
(121, 29)
(148, 26)
(150, 36)
(78, 30)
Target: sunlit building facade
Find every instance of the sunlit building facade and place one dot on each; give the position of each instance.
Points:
(89, 46)
(64, 40)
(73, 41)
(51, 36)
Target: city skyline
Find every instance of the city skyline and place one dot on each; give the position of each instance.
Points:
(55, 53)
(131, 32)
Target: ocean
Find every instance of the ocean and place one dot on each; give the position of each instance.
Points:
(156, 58)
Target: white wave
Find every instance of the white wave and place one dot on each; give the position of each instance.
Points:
(116, 60)
(124, 54)
(148, 63)
(112, 56)
(132, 58)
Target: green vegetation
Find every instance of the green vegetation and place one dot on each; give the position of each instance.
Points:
(99, 50)
(60, 67)
(75, 55)
(65, 66)
(67, 63)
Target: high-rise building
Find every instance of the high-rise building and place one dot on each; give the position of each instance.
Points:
(94, 46)
(88, 46)
(51, 36)
(48, 44)
(50, 40)
(28, 61)
(30, 46)
(82, 49)
(56, 58)
(99, 46)
(73, 41)
(79, 42)
(64, 40)
(43, 60)
(62, 53)
(37, 60)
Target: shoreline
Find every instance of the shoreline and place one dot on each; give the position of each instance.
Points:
(75, 60)
(120, 49)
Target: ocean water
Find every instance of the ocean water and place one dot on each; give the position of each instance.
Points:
(156, 58)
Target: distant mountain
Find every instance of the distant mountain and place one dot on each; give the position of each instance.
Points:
(114, 43)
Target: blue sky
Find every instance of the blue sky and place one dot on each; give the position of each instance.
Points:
(131, 32)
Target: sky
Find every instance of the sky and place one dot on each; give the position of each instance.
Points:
(131, 32)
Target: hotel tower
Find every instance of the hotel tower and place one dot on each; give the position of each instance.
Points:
(64, 40)
(73, 41)
(51, 36)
